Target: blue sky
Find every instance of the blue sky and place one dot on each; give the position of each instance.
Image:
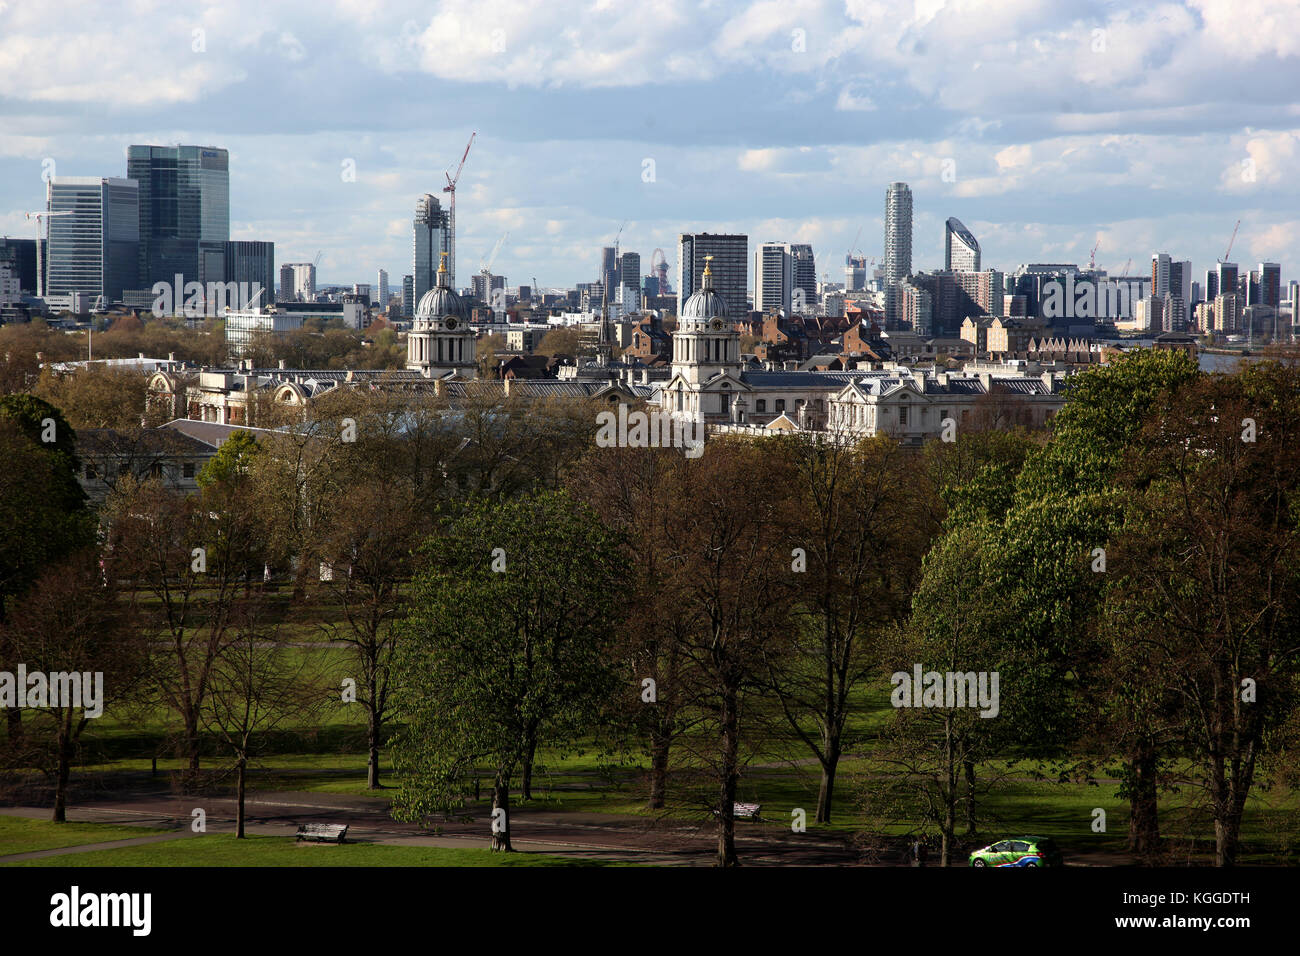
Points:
(1152, 126)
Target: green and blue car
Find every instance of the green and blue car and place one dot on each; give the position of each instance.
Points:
(1021, 851)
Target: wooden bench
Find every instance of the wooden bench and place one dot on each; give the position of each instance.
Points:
(323, 832)
(743, 811)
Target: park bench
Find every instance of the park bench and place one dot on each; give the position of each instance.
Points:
(323, 832)
(746, 811)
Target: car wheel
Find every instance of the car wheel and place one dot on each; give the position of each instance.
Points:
(979, 863)
(1031, 864)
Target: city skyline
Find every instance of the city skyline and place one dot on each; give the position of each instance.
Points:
(776, 130)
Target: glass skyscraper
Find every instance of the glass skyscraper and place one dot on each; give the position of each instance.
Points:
(95, 240)
(432, 237)
(184, 211)
(252, 262)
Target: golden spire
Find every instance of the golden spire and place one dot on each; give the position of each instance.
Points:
(442, 268)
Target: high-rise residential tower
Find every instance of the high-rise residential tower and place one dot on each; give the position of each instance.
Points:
(773, 277)
(382, 285)
(898, 247)
(408, 296)
(184, 212)
(729, 275)
(961, 250)
(1270, 284)
(805, 276)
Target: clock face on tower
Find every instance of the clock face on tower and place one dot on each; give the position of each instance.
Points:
(449, 323)
(716, 325)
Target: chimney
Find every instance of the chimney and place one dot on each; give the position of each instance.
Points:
(282, 365)
(171, 356)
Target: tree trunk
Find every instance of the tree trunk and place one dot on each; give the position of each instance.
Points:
(192, 741)
(948, 827)
(729, 775)
(659, 747)
(372, 742)
(501, 815)
(826, 792)
(64, 771)
(239, 813)
(969, 766)
(14, 720)
(530, 754)
(1144, 819)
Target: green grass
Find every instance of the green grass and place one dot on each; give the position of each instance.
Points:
(226, 850)
(25, 835)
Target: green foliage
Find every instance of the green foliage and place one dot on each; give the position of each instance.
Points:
(490, 657)
(231, 462)
(1105, 410)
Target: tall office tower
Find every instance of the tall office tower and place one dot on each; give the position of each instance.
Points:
(1270, 284)
(898, 248)
(609, 271)
(1292, 291)
(184, 217)
(252, 263)
(361, 292)
(961, 250)
(20, 256)
(432, 238)
(629, 272)
(1211, 284)
(773, 277)
(729, 273)
(805, 276)
(382, 286)
(95, 247)
(408, 296)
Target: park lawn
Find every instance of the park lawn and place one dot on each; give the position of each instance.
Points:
(226, 850)
(25, 835)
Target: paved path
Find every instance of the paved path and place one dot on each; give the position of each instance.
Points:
(581, 835)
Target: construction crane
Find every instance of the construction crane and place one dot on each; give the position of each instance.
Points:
(42, 250)
(1231, 241)
(853, 248)
(1126, 267)
(450, 189)
(1092, 256)
(492, 256)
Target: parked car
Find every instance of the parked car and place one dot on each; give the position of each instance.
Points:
(1021, 851)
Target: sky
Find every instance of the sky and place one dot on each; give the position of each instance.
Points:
(1044, 125)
